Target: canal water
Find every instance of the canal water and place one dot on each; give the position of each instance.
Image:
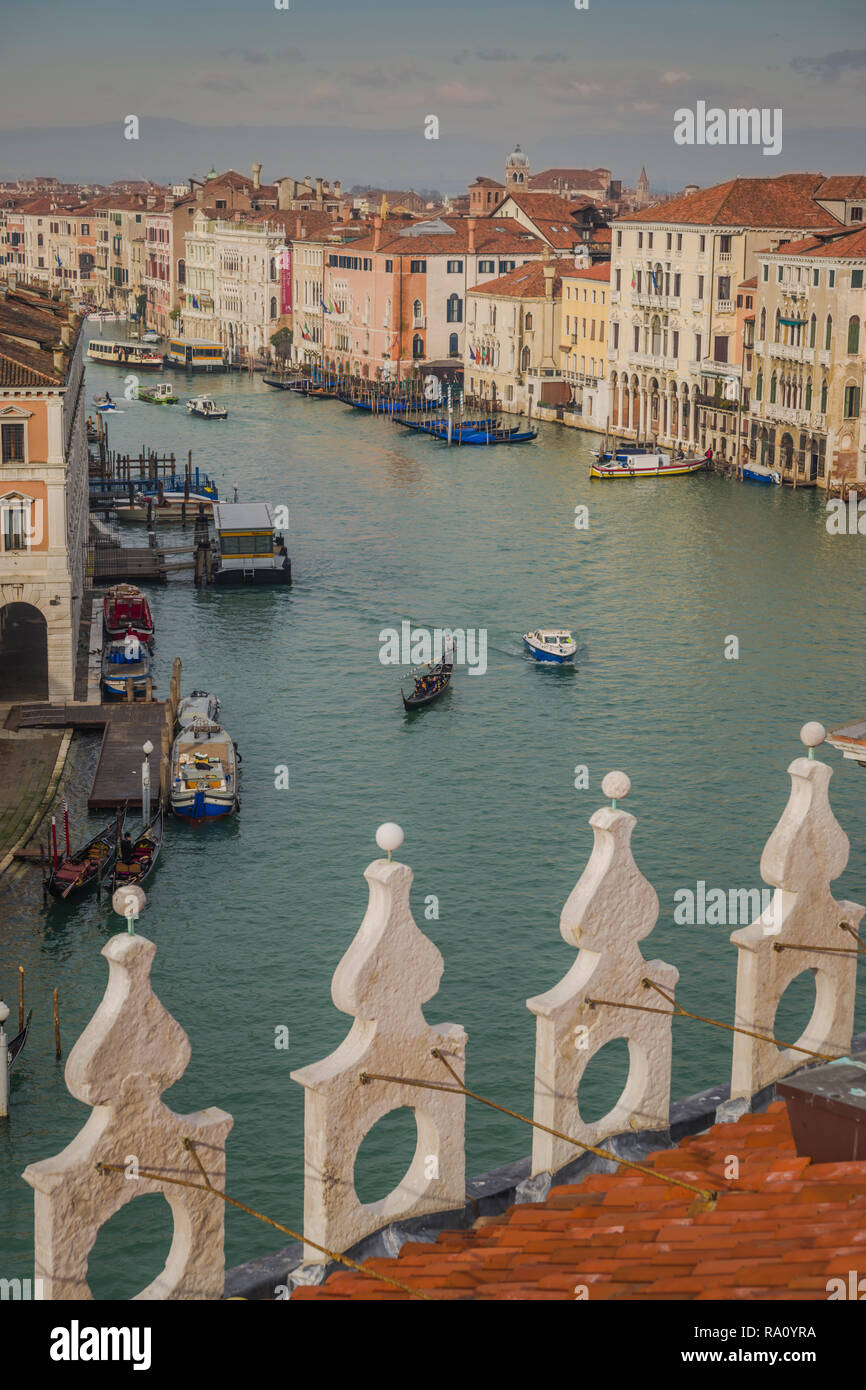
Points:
(251, 917)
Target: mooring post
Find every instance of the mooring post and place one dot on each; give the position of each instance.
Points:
(20, 997)
(4, 1062)
(57, 1052)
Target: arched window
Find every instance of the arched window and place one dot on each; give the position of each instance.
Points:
(763, 333)
(759, 386)
(273, 307)
(828, 332)
(656, 333)
(527, 322)
(773, 384)
(824, 397)
(181, 272)
(417, 346)
(853, 336)
(417, 311)
(808, 403)
(453, 346)
(852, 401)
(776, 329)
(273, 269)
(525, 358)
(454, 309)
(813, 330)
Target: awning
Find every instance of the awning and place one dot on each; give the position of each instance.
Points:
(795, 323)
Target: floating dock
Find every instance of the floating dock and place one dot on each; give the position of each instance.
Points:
(125, 727)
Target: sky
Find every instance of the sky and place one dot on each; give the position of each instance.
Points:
(344, 90)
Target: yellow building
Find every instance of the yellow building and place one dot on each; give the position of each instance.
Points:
(584, 335)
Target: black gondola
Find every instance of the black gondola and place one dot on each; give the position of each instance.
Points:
(17, 1043)
(79, 871)
(145, 852)
(429, 685)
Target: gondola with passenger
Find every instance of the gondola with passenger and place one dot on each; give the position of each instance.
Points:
(431, 682)
(80, 870)
(136, 859)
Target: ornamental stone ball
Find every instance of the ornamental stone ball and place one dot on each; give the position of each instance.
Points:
(147, 748)
(389, 837)
(812, 734)
(616, 785)
(4, 1012)
(128, 901)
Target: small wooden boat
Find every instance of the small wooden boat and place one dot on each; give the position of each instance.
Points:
(80, 870)
(16, 1044)
(550, 644)
(204, 781)
(143, 854)
(639, 464)
(430, 683)
(123, 664)
(104, 403)
(126, 610)
(206, 408)
(760, 473)
(161, 393)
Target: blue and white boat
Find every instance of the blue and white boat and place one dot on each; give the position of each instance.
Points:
(125, 664)
(204, 777)
(760, 473)
(550, 644)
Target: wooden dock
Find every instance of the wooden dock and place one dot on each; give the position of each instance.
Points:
(125, 727)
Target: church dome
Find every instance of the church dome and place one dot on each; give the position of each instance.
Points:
(517, 157)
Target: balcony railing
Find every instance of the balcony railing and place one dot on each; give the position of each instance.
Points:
(792, 352)
(641, 300)
(824, 357)
(726, 255)
(653, 360)
(724, 306)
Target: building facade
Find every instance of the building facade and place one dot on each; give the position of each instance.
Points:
(585, 320)
(512, 339)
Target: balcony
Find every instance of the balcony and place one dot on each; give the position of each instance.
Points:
(614, 296)
(697, 306)
(724, 306)
(791, 352)
(824, 357)
(653, 361)
(641, 300)
(726, 255)
(787, 415)
(420, 322)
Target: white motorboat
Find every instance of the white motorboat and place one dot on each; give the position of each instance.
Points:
(203, 772)
(206, 408)
(550, 644)
(197, 705)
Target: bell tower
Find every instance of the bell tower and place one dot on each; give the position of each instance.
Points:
(517, 172)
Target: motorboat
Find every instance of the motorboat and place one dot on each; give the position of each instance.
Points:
(104, 403)
(151, 336)
(636, 464)
(161, 393)
(760, 473)
(203, 772)
(206, 408)
(125, 610)
(125, 664)
(550, 644)
(197, 705)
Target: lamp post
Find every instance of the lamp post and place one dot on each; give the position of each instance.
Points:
(147, 749)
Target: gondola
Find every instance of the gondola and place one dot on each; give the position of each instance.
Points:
(17, 1043)
(145, 852)
(79, 871)
(432, 682)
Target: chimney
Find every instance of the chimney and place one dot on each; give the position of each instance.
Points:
(284, 194)
(60, 362)
(338, 188)
(199, 192)
(549, 274)
(827, 1110)
(151, 201)
(308, 180)
(377, 232)
(298, 226)
(257, 176)
(690, 188)
(66, 334)
(169, 202)
(346, 213)
(319, 183)
(471, 224)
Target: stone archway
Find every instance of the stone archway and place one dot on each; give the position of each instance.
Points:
(786, 450)
(23, 653)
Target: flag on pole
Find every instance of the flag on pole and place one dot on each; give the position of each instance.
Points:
(633, 278)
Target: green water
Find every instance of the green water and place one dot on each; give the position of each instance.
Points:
(251, 917)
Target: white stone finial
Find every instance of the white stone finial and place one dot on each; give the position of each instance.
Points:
(611, 908)
(387, 974)
(616, 785)
(4, 1011)
(130, 1052)
(812, 734)
(806, 851)
(128, 901)
(389, 837)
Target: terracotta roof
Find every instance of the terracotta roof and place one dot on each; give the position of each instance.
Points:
(839, 186)
(602, 236)
(523, 282)
(850, 244)
(786, 201)
(779, 1232)
(586, 178)
(500, 234)
(592, 272)
(546, 206)
(487, 183)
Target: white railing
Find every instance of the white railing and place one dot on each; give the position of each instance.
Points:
(724, 306)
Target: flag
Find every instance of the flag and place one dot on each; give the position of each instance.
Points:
(633, 279)
(471, 354)
(334, 307)
(324, 306)
(57, 258)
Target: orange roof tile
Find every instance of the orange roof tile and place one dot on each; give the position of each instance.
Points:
(785, 201)
(839, 186)
(601, 271)
(849, 243)
(779, 1231)
(523, 282)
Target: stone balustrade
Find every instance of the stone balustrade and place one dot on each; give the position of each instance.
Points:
(132, 1050)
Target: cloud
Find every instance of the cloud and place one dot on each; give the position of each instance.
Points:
(644, 107)
(673, 78)
(486, 55)
(462, 94)
(223, 82)
(586, 89)
(257, 57)
(832, 65)
(550, 58)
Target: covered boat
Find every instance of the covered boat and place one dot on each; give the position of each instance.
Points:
(248, 550)
(550, 644)
(126, 610)
(197, 705)
(760, 473)
(203, 772)
(635, 464)
(206, 408)
(161, 393)
(125, 664)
